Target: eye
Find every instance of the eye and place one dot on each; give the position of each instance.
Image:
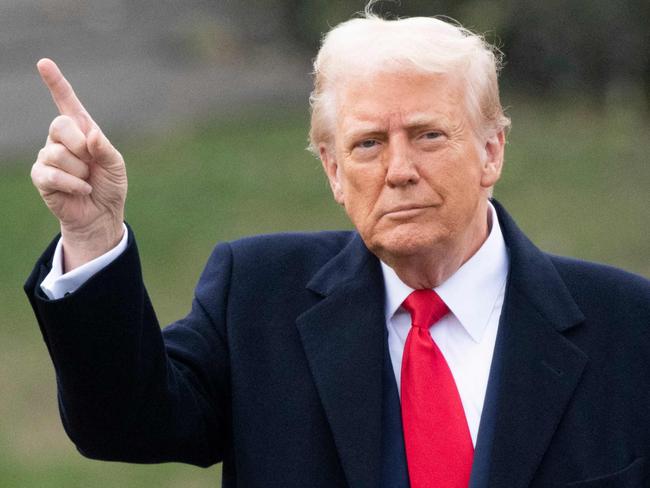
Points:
(432, 134)
(365, 150)
(367, 144)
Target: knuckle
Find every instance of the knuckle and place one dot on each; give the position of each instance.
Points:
(55, 153)
(38, 180)
(53, 178)
(35, 172)
(55, 126)
(59, 124)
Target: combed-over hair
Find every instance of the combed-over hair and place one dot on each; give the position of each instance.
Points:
(371, 44)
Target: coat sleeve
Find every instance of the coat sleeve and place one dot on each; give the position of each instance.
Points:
(127, 391)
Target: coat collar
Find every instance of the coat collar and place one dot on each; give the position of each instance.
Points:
(343, 339)
(535, 368)
(533, 274)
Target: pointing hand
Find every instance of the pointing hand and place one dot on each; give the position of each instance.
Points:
(80, 175)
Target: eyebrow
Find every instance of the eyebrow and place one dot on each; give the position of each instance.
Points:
(418, 120)
(423, 119)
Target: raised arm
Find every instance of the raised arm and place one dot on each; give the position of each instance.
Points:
(80, 176)
(126, 392)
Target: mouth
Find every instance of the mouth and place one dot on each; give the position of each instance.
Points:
(406, 211)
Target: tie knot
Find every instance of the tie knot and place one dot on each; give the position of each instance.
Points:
(425, 307)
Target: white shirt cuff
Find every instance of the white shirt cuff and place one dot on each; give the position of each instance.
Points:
(57, 284)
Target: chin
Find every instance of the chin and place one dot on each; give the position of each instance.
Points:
(403, 242)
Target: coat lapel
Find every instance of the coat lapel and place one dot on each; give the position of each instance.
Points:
(536, 368)
(343, 337)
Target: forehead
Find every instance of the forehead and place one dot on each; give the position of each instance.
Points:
(399, 97)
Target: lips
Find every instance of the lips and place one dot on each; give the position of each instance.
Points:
(404, 211)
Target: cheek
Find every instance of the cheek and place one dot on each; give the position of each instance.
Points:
(362, 188)
(465, 199)
(459, 186)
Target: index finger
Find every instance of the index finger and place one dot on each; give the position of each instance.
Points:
(62, 93)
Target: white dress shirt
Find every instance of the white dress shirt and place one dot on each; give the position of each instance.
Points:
(466, 336)
(57, 284)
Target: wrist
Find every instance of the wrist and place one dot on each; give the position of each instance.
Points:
(81, 246)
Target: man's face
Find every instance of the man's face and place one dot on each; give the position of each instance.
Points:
(407, 165)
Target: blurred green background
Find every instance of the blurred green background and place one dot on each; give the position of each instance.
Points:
(576, 178)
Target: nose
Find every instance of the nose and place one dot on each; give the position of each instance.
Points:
(401, 169)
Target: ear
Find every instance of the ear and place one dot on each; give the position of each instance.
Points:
(332, 171)
(492, 159)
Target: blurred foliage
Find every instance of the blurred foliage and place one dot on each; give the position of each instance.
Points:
(598, 46)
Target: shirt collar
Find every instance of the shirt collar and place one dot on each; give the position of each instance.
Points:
(471, 292)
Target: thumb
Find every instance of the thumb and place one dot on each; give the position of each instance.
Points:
(100, 148)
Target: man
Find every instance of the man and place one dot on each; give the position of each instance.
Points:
(434, 346)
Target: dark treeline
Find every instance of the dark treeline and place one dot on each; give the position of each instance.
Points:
(592, 47)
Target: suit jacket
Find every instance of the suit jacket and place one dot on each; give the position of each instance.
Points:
(279, 368)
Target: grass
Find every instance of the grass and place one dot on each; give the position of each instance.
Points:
(576, 180)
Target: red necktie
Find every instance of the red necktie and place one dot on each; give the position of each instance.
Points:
(438, 445)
